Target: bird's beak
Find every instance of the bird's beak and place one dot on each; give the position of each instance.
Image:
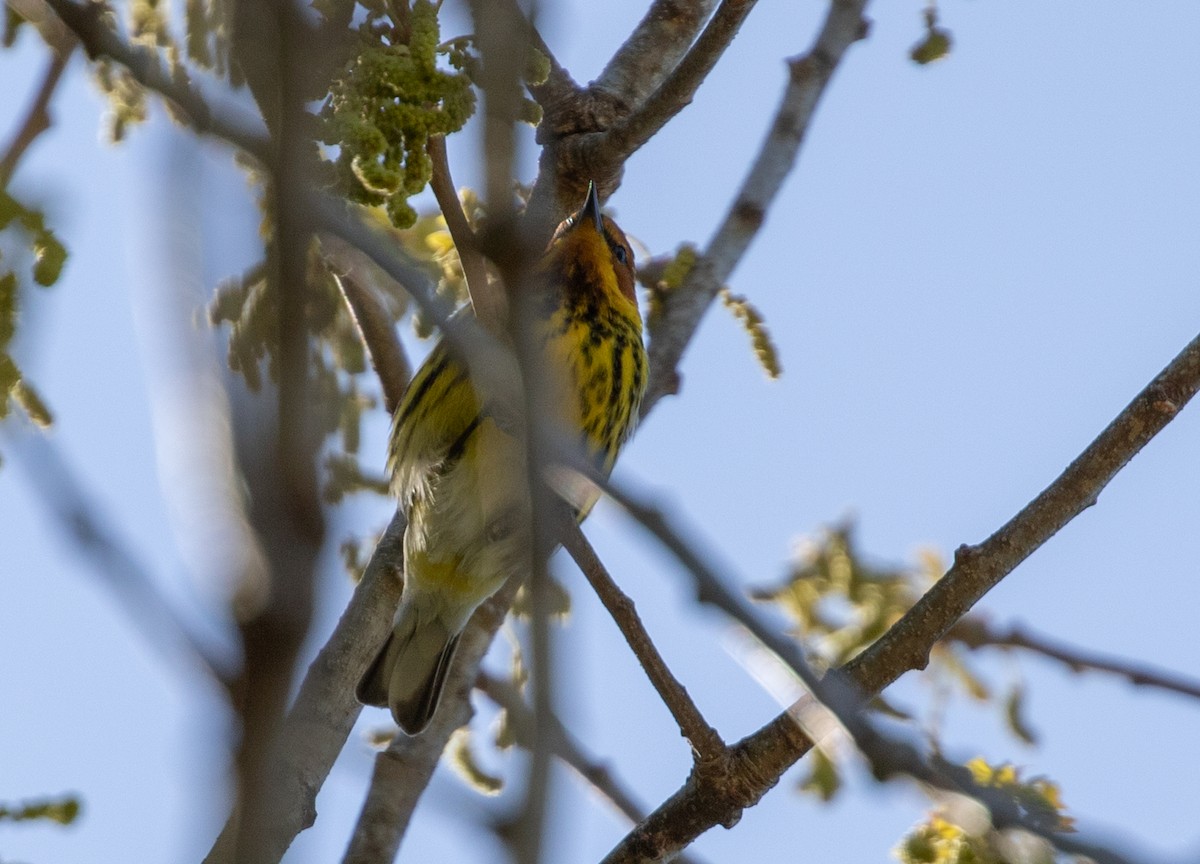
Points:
(591, 208)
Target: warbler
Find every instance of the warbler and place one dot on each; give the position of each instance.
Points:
(459, 470)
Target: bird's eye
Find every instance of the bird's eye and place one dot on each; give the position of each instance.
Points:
(621, 254)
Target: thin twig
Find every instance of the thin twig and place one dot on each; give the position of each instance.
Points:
(566, 747)
(975, 632)
(703, 737)
(809, 75)
(370, 317)
(761, 758)
(487, 299)
(99, 40)
(37, 119)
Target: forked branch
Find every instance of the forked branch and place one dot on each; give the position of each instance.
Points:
(767, 753)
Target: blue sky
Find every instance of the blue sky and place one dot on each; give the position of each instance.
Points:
(972, 270)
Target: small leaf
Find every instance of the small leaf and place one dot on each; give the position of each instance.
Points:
(64, 810)
(824, 779)
(1014, 714)
(936, 44)
(31, 401)
(464, 763)
(49, 258)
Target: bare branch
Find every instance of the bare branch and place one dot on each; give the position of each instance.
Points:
(99, 40)
(565, 747)
(403, 770)
(53, 31)
(653, 49)
(808, 77)
(487, 299)
(370, 317)
(676, 92)
(761, 758)
(704, 739)
(502, 36)
(975, 632)
(37, 119)
(325, 708)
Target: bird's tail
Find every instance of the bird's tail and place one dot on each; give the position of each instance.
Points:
(409, 672)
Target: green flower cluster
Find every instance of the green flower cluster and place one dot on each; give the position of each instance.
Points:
(381, 112)
(48, 258)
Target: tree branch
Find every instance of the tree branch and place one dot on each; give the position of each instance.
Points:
(565, 747)
(402, 771)
(278, 459)
(975, 632)
(370, 317)
(758, 760)
(559, 85)
(37, 119)
(676, 92)
(808, 78)
(99, 40)
(653, 49)
(487, 299)
(704, 738)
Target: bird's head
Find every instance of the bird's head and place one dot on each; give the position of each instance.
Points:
(590, 252)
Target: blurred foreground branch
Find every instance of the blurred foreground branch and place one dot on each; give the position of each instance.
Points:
(975, 632)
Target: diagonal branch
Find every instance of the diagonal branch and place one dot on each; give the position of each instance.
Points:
(653, 49)
(486, 299)
(760, 759)
(37, 118)
(370, 318)
(974, 632)
(325, 708)
(99, 40)
(676, 91)
(703, 737)
(808, 78)
(565, 747)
